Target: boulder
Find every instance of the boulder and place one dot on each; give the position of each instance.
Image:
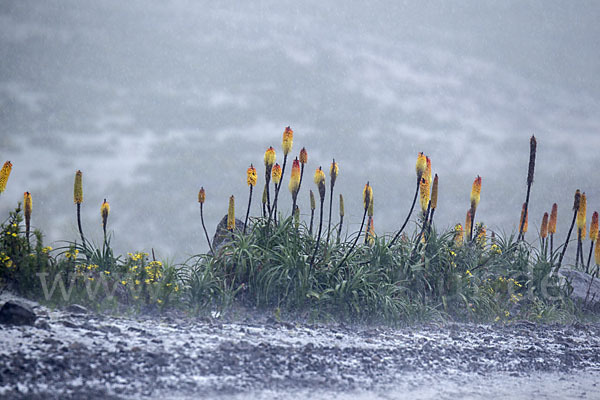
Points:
(15, 313)
(580, 282)
(222, 235)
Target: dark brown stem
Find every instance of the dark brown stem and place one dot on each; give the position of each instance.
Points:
(412, 207)
(472, 223)
(425, 219)
(79, 223)
(340, 228)
(277, 187)
(204, 227)
(578, 248)
(587, 267)
(355, 240)
(330, 208)
(248, 210)
(564, 250)
(312, 260)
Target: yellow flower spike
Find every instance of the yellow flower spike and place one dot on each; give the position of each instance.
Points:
(458, 234)
(288, 140)
(371, 204)
(78, 188)
(553, 217)
(341, 205)
(475, 193)
(333, 172)
(231, 214)
(276, 174)
(468, 222)
(421, 165)
(295, 178)
(523, 215)
(544, 227)
(104, 211)
(251, 176)
(27, 208)
(594, 226)
(4, 174)
(371, 232)
(201, 195)
(428, 170)
(425, 193)
(367, 196)
(583, 232)
(581, 212)
(597, 252)
(434, 193)
(303, 156)
(312, 201)
(269, 157)
(319, 179)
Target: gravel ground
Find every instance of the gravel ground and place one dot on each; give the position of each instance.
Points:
(72, 355)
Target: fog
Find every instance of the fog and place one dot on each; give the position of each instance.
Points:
(153, 99)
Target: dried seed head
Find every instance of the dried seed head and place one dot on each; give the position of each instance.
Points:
(552, 221)
(297, 216)
(594, 226)
(367, 196)
(425, 193)
(434, 193)
(4, 174)
(458, 235)
(201, 195)
(341, 205)
(312, 201)
(295, 178)
(475, 193)
(231, 214)
(251, 176)
(276, 174)
(421, 165)
(333, 172)
(371, 232)
(581, 212)
(544, 227)
(264, 196)
(597, 252)
(27, 205)
(577, 200)
(269, 157)
(303, 156)
(288, 140)
(78, 188)
(523, 215)
(104, 211)
(532, 149)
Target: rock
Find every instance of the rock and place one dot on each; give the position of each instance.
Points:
(14, 313)
(77, 309)
(580, 282)
(222, 235)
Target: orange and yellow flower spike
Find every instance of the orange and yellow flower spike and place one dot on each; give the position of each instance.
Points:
(434, 193)
(270, 157)
(333, 172)
(425, 193)
(544, 227)
(319, 179)
(201, 195)
(428, 170)
(552, 221)
(27, 205)
(371, 232)
(104, 211)
(371, 203)
(288, 140)
(251, 176)
(523, 215)
(581, 212)
(594, 226)
(367, 196)
(231, 214)
(475, 193)
(303, 156)
(421, 165)
(295, 178)
(78, 188)
(4, 174)
(276, 174)
(597, 252)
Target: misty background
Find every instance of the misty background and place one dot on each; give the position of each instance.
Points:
(153, 99)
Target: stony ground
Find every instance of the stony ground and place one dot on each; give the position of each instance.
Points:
(77, 354)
